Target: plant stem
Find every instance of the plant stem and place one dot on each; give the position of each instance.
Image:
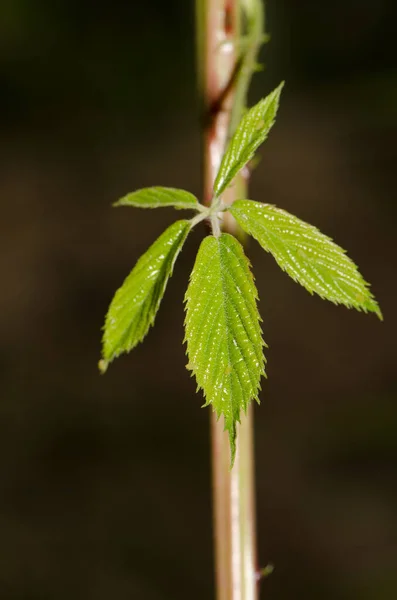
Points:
(255, 36)
(226, 63)
(234, 513)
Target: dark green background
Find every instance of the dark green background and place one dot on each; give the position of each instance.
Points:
(105, 481)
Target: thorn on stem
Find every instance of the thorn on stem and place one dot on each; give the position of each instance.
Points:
(228, 23)
(265, 572)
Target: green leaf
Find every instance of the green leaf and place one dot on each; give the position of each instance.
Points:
(155, 197)
(223, 334)
(134, 306)
(308, 256)
(249, 135)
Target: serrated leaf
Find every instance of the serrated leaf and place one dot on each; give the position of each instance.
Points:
(249, 135)
(223, 334)
(307, 255)
(135, 304)
(155, 197)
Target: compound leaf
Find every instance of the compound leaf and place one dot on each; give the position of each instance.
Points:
(308, 256)
(155, 197)
(223, 333)
(249, 135)
(135, 304)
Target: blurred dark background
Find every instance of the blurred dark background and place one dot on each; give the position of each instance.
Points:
(105, 481)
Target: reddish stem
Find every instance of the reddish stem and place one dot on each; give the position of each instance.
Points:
(233, 490)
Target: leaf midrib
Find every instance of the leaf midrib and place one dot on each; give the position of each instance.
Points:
(225, 269)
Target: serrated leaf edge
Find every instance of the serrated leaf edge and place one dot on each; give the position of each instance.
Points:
(232, 430)
(128, 199)
(105, 361)
(371, 303)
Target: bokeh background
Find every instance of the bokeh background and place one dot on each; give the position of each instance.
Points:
(105, 481)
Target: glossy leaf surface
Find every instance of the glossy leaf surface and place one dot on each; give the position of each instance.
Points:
(155, 197)
(308, 256)
(135, 304)
(223, 334)
(249, 135)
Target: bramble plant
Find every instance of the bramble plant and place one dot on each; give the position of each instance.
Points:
(222, 324)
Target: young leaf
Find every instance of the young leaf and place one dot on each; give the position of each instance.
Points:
(249, 135)
(223, 333)
(134, 306)
(308, 256)
(155, 197)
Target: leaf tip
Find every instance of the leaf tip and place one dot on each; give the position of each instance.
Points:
(103, 366)
(375, 308)
(275, 95)
(232, 442)
(370, 304)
